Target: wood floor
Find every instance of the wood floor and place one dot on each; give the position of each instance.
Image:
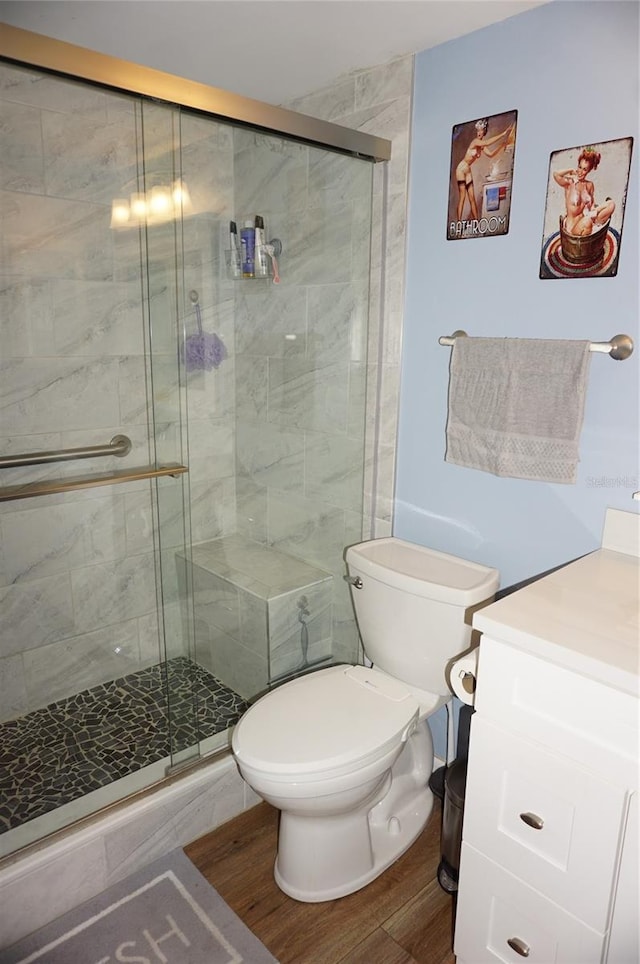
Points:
(402, 917)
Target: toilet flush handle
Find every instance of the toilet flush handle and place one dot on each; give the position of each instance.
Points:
(354, 581)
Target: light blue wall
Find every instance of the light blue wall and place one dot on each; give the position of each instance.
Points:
(571, 72)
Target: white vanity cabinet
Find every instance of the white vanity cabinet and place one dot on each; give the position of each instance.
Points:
(549, 862)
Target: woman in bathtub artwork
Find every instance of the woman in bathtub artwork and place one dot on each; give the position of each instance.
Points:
(583, 216)
(478, 147)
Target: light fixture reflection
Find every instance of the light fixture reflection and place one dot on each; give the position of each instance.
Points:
(181, 196)
(119, 212)
(138, 206)
(162, 203)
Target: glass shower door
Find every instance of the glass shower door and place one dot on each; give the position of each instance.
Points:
(187, 159)
(84, 602)
(142, 607)
(280, 423)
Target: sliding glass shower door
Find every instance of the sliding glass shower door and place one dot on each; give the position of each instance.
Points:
(88, 357)
(182, 444)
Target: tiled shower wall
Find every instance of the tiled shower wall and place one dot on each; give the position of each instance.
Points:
(301, 360)
(378, 101)
(77, 601)
(298, 449)
(77, 572)
(207, 168)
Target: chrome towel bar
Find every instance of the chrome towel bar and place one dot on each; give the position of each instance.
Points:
(619, 347)
(120, 445)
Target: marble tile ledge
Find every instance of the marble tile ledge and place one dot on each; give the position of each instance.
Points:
(262, 570)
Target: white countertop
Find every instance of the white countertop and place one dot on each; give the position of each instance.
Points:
(585, 616)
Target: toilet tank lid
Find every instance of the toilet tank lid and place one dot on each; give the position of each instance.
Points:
(422, 571)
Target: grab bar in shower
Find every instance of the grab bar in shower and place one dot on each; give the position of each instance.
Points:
(119, 445)
(29, 490)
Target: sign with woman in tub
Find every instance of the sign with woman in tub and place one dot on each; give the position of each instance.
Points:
(482, 153)
(586, 195)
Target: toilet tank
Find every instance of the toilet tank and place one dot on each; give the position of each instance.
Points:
(411, 607)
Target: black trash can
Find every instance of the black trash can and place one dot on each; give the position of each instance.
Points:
(451, 840)
(449, 783)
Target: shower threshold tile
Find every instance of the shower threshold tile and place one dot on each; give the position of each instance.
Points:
(55, 755)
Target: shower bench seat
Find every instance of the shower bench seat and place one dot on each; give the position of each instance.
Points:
(261, 614)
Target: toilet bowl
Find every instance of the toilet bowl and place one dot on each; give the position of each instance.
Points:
(354, 733)
(345, 753)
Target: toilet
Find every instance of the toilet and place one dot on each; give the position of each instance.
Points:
(345, 753)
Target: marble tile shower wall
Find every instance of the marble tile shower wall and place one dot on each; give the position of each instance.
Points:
(206, 160)
(207, 168)
(301, 359)
(378, 101)
(74, 372)
(77, 571)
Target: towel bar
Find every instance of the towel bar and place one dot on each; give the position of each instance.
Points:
(28, 490)
(619, 347)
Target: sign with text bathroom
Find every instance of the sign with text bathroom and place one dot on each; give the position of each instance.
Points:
(482, 154)
(584, 211)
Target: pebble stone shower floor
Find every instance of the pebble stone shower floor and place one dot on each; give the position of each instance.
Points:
(54, 755)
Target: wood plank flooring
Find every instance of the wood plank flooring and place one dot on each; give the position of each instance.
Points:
(402, 917)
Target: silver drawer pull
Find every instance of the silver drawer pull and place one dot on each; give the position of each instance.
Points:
(532, 820)
(519, 946)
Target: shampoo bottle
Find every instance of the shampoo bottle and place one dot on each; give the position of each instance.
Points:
(262, 260)
(248, 243)
(235, 259)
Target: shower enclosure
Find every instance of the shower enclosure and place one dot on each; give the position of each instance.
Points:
(182, 449)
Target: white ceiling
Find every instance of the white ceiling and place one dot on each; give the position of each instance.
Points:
(272, 50)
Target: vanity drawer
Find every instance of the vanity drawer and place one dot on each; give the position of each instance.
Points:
(495, 908)
(593, 724)
(544, 819)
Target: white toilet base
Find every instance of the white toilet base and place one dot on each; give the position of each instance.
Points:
(325, 857)
(315, 863)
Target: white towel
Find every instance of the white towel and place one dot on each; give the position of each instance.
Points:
(516, 406)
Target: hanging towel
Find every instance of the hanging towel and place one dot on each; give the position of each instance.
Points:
(516, 406)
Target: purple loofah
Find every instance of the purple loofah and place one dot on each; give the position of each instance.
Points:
(203, 350)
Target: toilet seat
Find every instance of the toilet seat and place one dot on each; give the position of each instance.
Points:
(330, 721)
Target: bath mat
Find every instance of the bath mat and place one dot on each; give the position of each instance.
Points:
(167, 912)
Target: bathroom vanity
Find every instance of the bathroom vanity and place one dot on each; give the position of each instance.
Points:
(550, 851)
